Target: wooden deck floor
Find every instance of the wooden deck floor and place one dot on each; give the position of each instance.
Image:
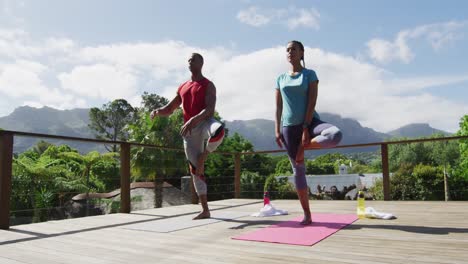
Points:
(425, 232)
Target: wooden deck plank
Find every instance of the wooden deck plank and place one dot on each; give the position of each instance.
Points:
(9, 261)
(425, 232)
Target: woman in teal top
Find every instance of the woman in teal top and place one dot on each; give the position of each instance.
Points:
(297, 125)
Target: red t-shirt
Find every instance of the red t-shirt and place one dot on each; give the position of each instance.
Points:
(193, 95)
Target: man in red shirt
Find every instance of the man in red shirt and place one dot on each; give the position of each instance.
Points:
(201, 132)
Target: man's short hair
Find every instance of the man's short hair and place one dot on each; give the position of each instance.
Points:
(199, 56)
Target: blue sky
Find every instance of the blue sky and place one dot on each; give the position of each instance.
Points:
(384, 63)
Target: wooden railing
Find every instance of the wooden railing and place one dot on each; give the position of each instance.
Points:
(6, 161)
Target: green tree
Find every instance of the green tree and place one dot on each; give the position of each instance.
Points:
(151, 102)
(463, 146)
(420, 168)
(458, 183)
(112, 120)
(87, 162)
(147, 162)
(336, 159)
(429, 182)
(375, 166)
(280, 188)
(359, 169)
(458, 180)
(157, 164)
(318, 168)
(49, 180)
(331, 158)
(402, 184)
(41, 147)
(252, 184)
(283, 167)
(223, 165)
(37, 176)
(430, 153)
(219, 168)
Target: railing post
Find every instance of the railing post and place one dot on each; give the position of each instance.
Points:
(158, 188)
(125, 178)
(385, 172)
(446, 183)
(237, 175)
(6, 160)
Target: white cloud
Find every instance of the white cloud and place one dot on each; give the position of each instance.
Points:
(385, 51)
(291, 17)
(61, 45)
(100, 81)
(17, 44)
(11, 34)
(367, 93)
(245, 82)
(14, 44)
(244, 92)
(158, 63)
(171, 55)
(305, 18)
(252, 17)
(410, 85)
(22, 79)
(437, 35)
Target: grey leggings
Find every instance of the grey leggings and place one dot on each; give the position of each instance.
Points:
(326, 135)
(206, 136)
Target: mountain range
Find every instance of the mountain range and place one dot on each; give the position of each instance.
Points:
(46, 120)
(260, 132)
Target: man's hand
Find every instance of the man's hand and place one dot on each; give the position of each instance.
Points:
(279, 139)
(154, 113)
(187, 128)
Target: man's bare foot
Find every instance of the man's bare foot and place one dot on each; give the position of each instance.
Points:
(202, 215)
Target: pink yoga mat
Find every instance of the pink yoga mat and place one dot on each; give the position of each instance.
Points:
(292, 232)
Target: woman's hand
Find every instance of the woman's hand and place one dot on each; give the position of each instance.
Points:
(305, 137)
(279, 139)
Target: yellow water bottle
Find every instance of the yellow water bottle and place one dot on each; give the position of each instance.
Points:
(361, 207)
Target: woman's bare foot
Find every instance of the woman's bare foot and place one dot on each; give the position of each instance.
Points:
(307, 220)
(202, 215)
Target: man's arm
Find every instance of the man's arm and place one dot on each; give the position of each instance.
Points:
(208, 112)
(169, 108)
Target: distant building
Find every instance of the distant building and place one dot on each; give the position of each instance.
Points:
(343, 169)
(339, 181)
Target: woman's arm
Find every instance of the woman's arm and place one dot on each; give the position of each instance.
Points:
(279, 111)
(311, 102)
